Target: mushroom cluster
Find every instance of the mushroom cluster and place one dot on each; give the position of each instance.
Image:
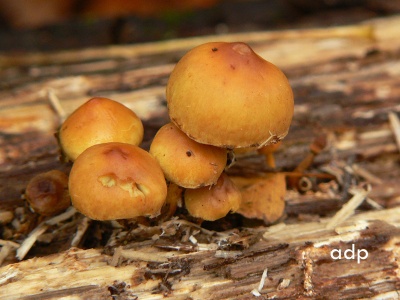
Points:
(220, 97)
(111, 177)
(224, 96)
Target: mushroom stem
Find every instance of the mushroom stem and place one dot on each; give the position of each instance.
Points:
(305, 163)
(268, 151)
(270, 160)
(316, 147)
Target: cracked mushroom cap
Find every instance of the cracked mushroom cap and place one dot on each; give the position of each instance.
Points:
(117, 181)
(224, 94)
(215, 202)
(184, 161)
(99, 120)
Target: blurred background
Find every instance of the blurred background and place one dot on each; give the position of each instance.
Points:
(45, 25)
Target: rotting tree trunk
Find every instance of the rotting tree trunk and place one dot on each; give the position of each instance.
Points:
(346, 82)
(298, 259)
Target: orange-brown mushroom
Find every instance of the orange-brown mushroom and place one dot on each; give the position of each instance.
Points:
(184, 161)
(117, 181)
(47, 193)
(224, 94)
(263, 198)
(214, 202)
(99, 120)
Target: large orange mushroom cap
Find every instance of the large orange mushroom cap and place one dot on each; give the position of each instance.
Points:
(99, 120)
(117, 181)
(224, 94)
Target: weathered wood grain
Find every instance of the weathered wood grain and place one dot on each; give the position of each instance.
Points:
(300, 253)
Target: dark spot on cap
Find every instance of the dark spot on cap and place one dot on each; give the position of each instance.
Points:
(189, 153)
(214, 49)
(46, 186)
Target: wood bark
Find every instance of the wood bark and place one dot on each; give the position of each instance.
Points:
(346, 84)
(299, 254)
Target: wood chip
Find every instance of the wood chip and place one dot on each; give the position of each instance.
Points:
(9, 243)
(395, 124)
(256, 293)
(348, 209)
(138, 255)
(40, 229)
(62, 217)
(82, 227)
(262, 281)
(373, 203)
(193, 240)
(356, 226)
(56, 105)
(274, 229)
(4, 252)
(368, 176)
(283, 284)
(227, 254)
(207, 247)
(30, 240)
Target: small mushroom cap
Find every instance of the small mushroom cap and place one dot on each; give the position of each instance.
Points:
(117, 181)
(263, 197)
(184, 161)
(224, 94)
(99, 120)
(215, 202)
(47, 193)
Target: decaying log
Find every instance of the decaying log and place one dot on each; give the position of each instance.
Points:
(298, 260)
(346, 84)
